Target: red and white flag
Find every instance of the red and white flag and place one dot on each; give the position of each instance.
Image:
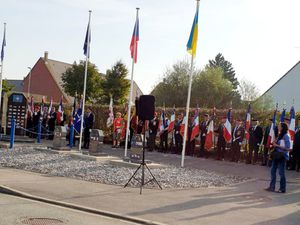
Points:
(209, 140)
(182, 125)
(60, 112)
(247, 124)
(195, 129)
(110, 119)
(50, 107)
(292, 125)
(172, 122)
(227, 127)
(271, 136)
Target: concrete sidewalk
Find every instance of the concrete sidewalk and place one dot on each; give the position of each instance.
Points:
(245, 203)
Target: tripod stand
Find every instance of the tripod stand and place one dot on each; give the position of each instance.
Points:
(142, 166)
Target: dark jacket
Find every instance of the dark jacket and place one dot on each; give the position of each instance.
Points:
(203, 128)
(153, 126)
(256, 135)
(238, 134)
(89, 120)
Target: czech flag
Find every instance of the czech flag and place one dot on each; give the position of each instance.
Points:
(227, 127)
(192, 42)
(247, 124)
(271, 137)
(134, 40)
(195, 129)
(292, 125)
(172, 122)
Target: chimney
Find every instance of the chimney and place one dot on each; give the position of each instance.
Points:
(45, 56)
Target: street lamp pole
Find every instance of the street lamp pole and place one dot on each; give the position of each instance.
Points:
(28, 91)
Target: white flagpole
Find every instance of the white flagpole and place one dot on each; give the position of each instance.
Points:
(2, 70)
(188, 104)
(85, 76)
(131, 85)
(187, 112)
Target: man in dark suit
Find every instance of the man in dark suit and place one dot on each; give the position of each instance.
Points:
(35, 120)
(221, 145)
(237, 139)
(178, 136)
(153, 127)
(89, 123)
(51, 123)
(266, 161)
(256, 135)
(203, 133)
(296, 149)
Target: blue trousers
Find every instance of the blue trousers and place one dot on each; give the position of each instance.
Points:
(280, 165)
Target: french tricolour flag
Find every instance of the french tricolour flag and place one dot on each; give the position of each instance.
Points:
(227, 127)
(172, 121)
(247, 124)
(271, 137)
(195, 129)
(60, 113)
(292, 125)
(210, 135)
(162, 121)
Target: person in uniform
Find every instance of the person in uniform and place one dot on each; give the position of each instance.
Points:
(237, 139)
(295, 164)
(221, 145)
(266, 159)
(153, 127)
(51, 123)
(164, 135)
(89, 123)
(178, 136)
(203, 133)
(35, 120)
(118, 121)
(256, 136)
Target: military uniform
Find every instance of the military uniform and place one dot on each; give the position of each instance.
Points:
(237, 138)
(221, 145)
(256, 135)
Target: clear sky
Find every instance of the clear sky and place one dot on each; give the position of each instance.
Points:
(261, 38)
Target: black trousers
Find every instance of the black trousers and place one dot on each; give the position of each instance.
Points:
(221, 148)
(178, 143)
(86, 137)
(151, 144)
(236, 151)
(164, 141)
(253, 148)
(202, 148)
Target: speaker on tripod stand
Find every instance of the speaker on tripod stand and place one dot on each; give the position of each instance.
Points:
(145, 112)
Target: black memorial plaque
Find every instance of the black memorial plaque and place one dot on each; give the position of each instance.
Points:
(16, 108)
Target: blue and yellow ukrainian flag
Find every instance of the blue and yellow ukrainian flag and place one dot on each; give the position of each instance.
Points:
(192, 42)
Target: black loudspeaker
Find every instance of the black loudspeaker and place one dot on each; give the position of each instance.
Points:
(146, 107)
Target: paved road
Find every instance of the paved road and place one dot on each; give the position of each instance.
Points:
(14, 210)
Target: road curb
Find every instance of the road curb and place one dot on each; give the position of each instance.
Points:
(7, 190)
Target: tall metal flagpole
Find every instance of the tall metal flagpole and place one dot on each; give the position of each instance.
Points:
(188, 104)
(131, 85)
(85, 76)
(3, 45)
(187, 112)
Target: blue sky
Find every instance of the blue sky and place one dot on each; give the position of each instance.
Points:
(261, 38)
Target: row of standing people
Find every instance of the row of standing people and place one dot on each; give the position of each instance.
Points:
(258, 138)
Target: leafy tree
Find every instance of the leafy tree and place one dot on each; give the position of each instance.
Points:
(174, 87)
(211, 89)
(115, 84)
(248, 90)
(229, 72)
(6, 87)
(73, 80)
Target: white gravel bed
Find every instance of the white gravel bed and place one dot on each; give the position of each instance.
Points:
(27, 158)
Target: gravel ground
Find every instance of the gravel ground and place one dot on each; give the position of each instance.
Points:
(27, 158)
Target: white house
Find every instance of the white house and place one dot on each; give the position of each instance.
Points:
(286, 91)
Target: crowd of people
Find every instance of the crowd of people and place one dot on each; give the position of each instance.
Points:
(252, 150)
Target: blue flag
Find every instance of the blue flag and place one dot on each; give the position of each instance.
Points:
(3, 44)
(87, 41)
